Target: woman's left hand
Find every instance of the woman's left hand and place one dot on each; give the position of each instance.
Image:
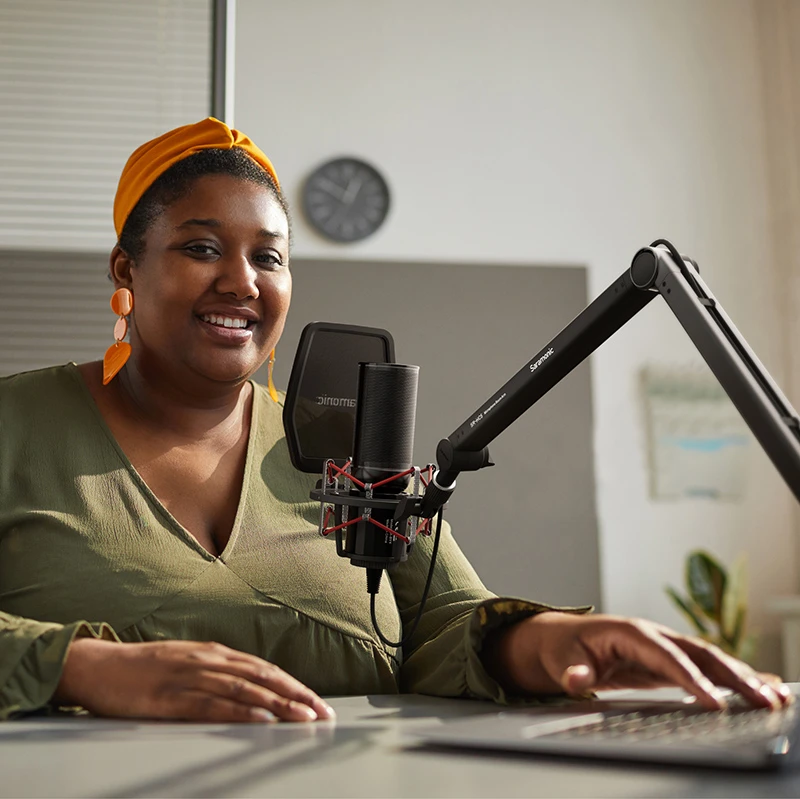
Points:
(555, 652)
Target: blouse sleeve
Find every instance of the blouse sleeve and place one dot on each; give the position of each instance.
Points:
(443, 656)
(32, 655)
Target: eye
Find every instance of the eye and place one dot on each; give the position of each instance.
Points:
(268, 258)
(201, 250)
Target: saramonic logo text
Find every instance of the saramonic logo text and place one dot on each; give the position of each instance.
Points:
(536, 364)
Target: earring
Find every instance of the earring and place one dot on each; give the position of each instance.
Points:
(270, 385)
(118, 353)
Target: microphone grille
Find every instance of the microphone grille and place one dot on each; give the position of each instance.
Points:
(385, 418)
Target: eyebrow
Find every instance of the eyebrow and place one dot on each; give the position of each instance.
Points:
(215, 223)
(199, 223)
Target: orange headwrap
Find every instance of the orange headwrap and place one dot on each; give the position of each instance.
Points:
(156, 156)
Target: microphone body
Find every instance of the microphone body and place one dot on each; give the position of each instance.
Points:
(382, 464)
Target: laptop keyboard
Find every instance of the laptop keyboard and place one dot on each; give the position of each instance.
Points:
(699, 728)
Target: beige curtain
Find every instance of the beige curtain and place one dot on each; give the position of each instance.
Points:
(778, 26)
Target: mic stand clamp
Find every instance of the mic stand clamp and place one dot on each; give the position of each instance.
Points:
(374, 532)
(451, 462)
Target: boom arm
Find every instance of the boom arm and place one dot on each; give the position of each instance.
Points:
(657, 269)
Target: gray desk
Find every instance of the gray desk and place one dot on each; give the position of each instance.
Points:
(362, 754)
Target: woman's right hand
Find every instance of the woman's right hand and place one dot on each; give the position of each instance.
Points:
(182, 680)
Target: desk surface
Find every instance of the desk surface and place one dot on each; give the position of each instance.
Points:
(364, 753)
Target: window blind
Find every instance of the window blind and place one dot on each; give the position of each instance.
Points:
(82, 84)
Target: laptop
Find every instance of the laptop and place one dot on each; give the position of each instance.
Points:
(661, 726)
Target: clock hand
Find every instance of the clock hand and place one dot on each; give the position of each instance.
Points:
(353, 187)
(332, 188)
(348, 198)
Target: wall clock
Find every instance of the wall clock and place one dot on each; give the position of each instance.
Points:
(346, 199)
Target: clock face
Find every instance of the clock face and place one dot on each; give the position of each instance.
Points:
(346, 199)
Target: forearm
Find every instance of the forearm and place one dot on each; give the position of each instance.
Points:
(82, 658)
(32, 656)
(512, 656)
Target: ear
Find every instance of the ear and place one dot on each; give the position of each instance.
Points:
(119, 268)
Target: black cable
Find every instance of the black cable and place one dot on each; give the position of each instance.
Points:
(423, 600)
(680, 263)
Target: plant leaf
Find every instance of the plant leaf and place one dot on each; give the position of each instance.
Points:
(705, 581)
(735, 598)
(737, 637)
(747, 649)
(688, 610)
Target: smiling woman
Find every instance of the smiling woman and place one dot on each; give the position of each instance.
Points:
(158, 552)
(211, 281)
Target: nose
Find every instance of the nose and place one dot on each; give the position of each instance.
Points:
(237, 277)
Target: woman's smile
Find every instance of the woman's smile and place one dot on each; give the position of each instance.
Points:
(227, 329)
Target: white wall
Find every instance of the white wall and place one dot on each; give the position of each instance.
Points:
(555, 131)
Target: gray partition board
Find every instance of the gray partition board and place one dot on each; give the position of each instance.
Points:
(529, 524)
(54, 308)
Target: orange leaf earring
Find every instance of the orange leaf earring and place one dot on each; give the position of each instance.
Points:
(119, 352)
(270, 385)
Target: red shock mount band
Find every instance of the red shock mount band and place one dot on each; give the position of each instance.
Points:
(334, 472)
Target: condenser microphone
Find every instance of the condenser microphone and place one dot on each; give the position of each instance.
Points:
(349, 415)
(382, 465)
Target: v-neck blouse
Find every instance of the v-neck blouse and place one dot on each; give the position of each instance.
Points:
(168, 519)
(86, 548)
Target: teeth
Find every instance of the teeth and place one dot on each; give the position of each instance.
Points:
(224, 321)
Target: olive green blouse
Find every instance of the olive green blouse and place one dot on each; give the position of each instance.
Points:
(87, 549)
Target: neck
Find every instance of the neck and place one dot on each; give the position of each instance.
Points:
(193, 410)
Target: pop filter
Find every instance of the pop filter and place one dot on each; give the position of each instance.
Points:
(321, 398)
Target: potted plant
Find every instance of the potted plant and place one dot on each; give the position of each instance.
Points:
(716, 603)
